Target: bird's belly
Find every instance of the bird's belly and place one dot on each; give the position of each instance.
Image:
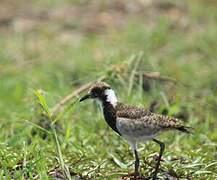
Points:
(137, 138)
(140, 135)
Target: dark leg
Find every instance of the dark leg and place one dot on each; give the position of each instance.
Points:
(162, 147)
(136, 163)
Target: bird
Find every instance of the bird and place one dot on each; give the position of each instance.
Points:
(134, 124)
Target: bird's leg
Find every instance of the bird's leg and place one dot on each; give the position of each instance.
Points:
(136, 163)
(134, 148)
(162, 147)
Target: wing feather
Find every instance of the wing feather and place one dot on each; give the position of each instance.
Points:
(135, 118)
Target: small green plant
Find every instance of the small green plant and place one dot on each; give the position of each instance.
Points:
(44, 106)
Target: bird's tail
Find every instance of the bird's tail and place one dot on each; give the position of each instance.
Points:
(185, 129)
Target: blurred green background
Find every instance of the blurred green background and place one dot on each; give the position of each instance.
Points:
(58, 46)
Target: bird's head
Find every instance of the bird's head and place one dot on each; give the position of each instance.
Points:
(102, 92)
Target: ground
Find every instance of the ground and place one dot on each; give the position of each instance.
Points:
(49, 49)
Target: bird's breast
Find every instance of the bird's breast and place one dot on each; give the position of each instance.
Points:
(110, 118)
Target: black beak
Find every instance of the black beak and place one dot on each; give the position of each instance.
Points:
(87, 96)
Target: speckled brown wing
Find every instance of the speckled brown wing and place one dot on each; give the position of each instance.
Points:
(131, 112)
(139, 119)
(166, 122)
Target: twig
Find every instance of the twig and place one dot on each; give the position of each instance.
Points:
(156, 76)
(73, 94)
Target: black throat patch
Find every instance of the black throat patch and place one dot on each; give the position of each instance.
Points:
(109, 113)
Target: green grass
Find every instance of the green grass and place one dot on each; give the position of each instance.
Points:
(58, 61)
